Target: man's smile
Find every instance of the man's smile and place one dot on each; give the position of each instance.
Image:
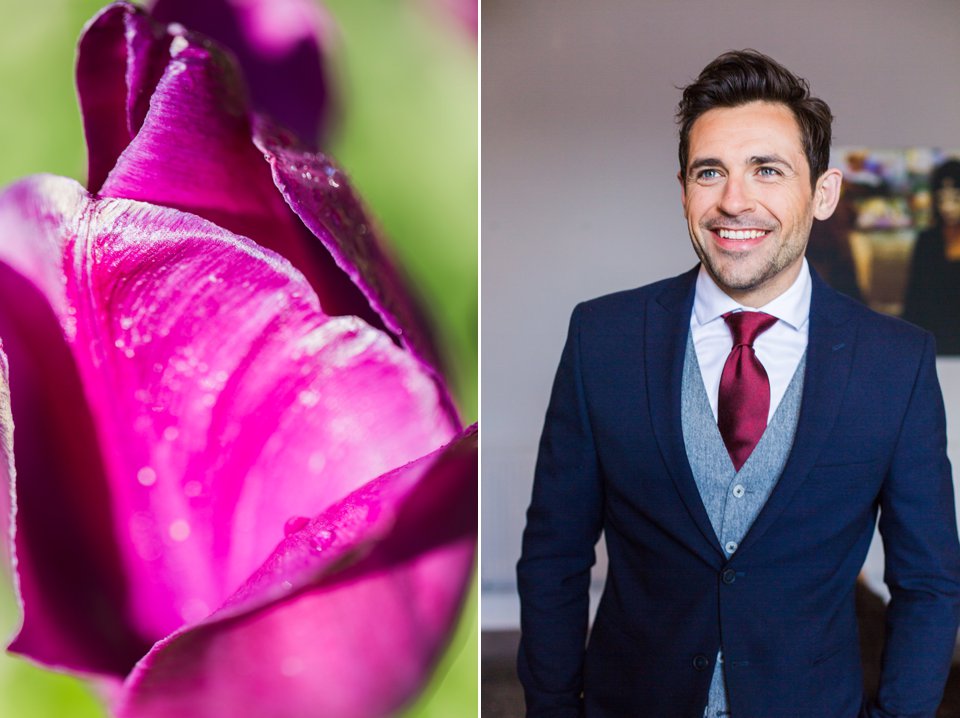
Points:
(738, 240)
(742, 233)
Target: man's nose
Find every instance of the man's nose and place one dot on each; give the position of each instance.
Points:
(737, 197)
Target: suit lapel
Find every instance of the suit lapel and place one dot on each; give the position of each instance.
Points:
(667, 330)
(829, 356)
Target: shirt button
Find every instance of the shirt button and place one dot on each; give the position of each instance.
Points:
(728, 576)
(701, 662)
(739, 491)
(731, 546)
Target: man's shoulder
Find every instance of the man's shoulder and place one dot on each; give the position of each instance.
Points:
(631, 302)
(892, 332)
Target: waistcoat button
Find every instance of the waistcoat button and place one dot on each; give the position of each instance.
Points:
(728, 576)
(701, 662)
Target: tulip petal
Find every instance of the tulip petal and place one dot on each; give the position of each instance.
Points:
(224, 400)
(194, 152)
(363, 598)
(120, 58)
(320, 195)
(278, 46)
(68, 568)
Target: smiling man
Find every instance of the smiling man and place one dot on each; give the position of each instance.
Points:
(734, 433)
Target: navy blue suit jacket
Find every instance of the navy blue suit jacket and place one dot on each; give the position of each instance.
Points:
(871, 435)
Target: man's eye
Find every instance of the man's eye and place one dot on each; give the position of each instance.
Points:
(708, 174)
(769, 172)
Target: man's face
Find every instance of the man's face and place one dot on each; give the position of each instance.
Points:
(748, 201)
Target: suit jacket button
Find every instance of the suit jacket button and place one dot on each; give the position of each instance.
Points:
(701, 662)
(728, 576)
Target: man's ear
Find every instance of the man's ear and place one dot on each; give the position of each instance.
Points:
(683, 190)
(827, 193)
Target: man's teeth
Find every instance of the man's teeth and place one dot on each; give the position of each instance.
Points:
(741, 233)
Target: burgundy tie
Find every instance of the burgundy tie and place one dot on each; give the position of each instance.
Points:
(744, 399)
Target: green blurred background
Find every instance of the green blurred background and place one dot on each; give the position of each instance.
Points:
(406, 75)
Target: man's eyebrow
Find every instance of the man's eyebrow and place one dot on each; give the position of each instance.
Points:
(704, 162)
(770, 160)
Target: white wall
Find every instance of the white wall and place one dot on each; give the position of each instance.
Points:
(579, 195)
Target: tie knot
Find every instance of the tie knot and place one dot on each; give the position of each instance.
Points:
(747, 326)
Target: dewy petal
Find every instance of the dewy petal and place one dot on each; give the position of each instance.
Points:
(194, 152)
(278, 44)
(224, 400)
(320, 194)
(345, 619)
(70, 578)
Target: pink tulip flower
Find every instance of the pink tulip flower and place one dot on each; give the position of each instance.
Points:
(237, 485)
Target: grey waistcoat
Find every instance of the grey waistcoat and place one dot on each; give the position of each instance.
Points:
(733, 499)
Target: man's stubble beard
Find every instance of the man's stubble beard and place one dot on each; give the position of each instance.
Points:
(787, 253)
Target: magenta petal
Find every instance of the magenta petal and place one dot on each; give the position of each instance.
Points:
(363, 599)
(278, 46)
(120, 58)
(70, 574)
(321, 196)
(223, 399)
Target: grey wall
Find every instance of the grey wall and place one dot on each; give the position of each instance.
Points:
(579, 195)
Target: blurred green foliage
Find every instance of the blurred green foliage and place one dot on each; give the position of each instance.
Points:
(406, 75)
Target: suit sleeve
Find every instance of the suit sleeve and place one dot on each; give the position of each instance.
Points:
(919, 530)
(563, 525)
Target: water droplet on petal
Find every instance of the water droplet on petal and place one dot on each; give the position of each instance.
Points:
(126, 322)
(322, 540)
(286, 585)
(171, 433)
(192, 489)
(178, 44)
(294, 524)
(147, 476)
(308, 397)
(180, 530)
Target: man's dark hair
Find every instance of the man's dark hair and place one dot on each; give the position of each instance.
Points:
(744, 76)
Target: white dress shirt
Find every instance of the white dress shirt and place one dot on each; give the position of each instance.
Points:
(779, 349)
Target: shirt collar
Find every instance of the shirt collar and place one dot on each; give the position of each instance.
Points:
(792, 307)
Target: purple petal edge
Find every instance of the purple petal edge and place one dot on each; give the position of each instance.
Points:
(357, 633)
(120, 58)
(320, 194)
